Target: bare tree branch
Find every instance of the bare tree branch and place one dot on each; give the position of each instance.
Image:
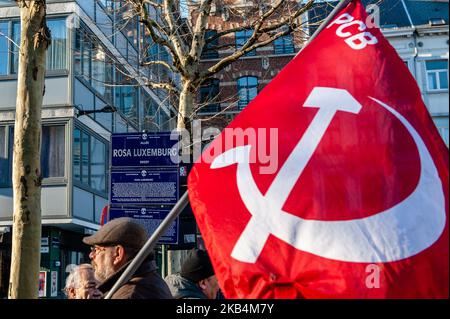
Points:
(254, 41)
(159, 62)
(179, 45)
(185, 40)
(198, 39)
(150, 26)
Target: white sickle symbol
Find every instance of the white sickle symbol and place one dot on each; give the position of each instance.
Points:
(397, 233)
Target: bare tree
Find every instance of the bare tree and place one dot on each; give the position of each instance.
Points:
(35, 39)
(185, 38)
(180, 28)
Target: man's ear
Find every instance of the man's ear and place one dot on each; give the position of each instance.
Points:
(71, 293)
(202, 284)
(119, 254)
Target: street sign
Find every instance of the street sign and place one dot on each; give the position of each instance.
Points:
(145, 177)
(144, 149)
(143, 186)
(150, 218)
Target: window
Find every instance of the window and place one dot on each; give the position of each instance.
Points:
(128, 100)
(77, 53)
(98, 165)
(98, 69)
(127, 22)
(4, 43)
(85, 158)
(6, 154)
(57, 52)
(126, 94)
(210, 49)
(76, 154)
(85, 47)
(152, 51)
(442, 124)
(14, 48)
(53, 151)
(93, 65)
(9, 51)
(208, 96)
(109, 79)
(108, 5)
(150, 121)
(4, 167)
(241, 39)
(89, 161)
(284, 45)
(437, 75)
(247, 90)
(131, 29)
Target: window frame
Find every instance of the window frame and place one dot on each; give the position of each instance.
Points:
(210, 50)
(436, 73)
(86, 185)
(57, 179)
(84, 73)
(444, 130)
(240, 38)
(8, 45)
(14, 50)
(118, 12)
(67, 45)
(209, 92)
(247, 88)
(47, 181)
(8, 153)
(284, 47)
(11, 73)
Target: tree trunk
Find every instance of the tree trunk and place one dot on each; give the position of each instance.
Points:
(175, 258)
(185, 106)
(25, 259)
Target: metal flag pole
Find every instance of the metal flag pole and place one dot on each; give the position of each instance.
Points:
(184, 200)
(330, 17)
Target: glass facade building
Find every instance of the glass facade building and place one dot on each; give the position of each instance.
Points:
(93, 62)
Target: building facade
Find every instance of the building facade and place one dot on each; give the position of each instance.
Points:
(418, 30)
(93, 64)
(234, 87)
(420, 36)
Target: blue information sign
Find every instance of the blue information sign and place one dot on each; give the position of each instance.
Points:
(144, 178)
(144, 149)
(150, 218)
(144, 186)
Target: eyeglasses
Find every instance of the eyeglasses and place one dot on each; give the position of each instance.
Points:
(97, 249)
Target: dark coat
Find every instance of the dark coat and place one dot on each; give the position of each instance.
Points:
(182, 288)
(146, 283)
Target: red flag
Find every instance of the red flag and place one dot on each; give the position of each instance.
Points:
(357, 206)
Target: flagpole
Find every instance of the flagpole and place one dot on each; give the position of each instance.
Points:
(184, 200)
(322, 26)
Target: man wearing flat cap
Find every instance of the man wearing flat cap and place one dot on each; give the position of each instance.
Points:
(113, 247)
(196, 279)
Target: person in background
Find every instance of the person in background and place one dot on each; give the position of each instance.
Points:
(113, 247)
(82, 284)
(196, 280)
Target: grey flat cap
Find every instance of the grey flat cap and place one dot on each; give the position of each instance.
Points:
(120, 231)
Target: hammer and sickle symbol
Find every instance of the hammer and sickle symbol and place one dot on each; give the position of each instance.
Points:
(396, 233)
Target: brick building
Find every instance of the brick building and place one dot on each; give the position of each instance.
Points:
(230, 90)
